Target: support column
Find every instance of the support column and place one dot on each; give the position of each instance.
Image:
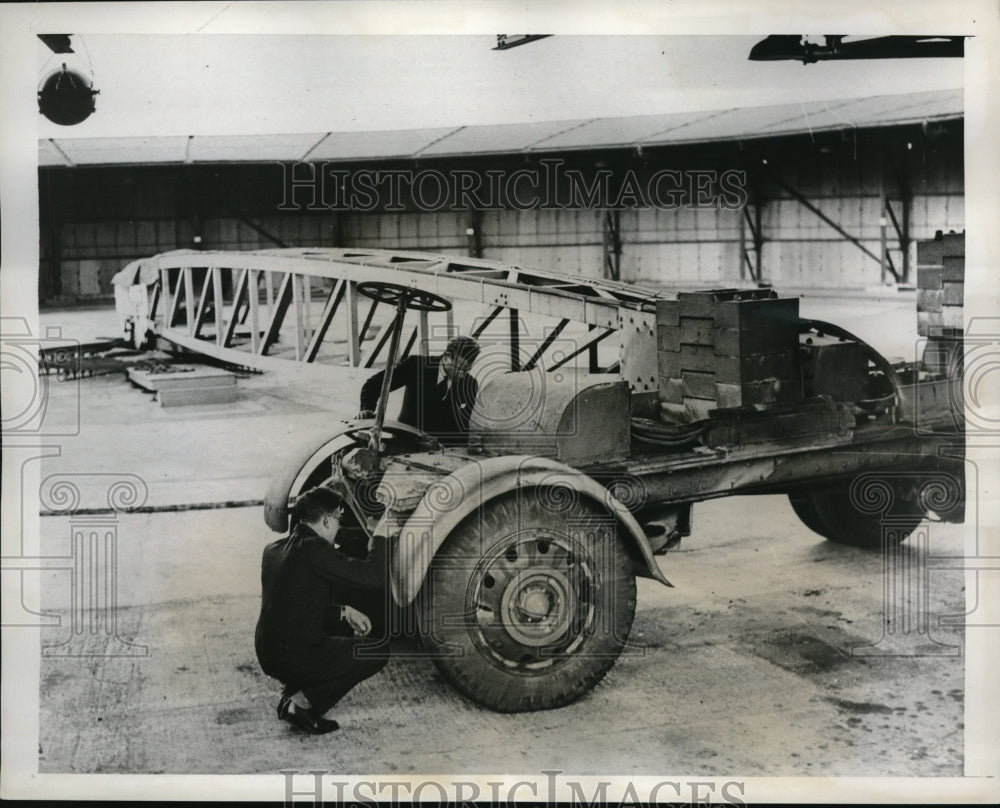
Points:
(744, 257)
(746, 266)
(758, 237)
(612, 245)
(883, 222)
(337, 229)
(194, 210)
(902, 225)
(904, 236)
(751, 219)
(474, 233)
(887, 216)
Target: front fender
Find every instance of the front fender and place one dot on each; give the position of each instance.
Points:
(306, 459)
(450, 499)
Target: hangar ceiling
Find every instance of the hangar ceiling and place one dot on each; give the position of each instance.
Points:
(741, 123)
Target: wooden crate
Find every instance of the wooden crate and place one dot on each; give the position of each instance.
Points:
(940, 283)
(726, 348)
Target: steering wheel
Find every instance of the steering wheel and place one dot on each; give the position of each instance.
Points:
(360, 431)
(392, 293)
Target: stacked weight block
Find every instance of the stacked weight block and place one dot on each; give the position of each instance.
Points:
(833, 367)
(940, 289)
(726, 348)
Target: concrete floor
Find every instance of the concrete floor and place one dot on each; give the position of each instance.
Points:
(745, 668)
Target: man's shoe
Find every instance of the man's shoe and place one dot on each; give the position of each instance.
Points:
(309, 720)
(286, 699)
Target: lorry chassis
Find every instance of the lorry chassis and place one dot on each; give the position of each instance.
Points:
(516, 554)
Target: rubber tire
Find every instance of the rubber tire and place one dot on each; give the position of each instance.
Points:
(451, 643)
(803, 506)
(843, 523)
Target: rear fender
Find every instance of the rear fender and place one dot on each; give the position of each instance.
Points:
(304, 463)
(451, 499)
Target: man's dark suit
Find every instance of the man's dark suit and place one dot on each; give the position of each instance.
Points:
(302, 576)
(441, 410)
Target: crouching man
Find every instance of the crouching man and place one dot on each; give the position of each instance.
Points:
(309, 586)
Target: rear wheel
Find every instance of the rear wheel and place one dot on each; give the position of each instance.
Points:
(839, 518)
(803, 506)
(529, 602)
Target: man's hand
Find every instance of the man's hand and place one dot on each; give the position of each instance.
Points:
(364, 415)
(358, 621)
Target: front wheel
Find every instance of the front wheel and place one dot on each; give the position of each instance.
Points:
(529, 602)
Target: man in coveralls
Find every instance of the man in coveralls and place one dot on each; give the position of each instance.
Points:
(440, 391)
(309, 586)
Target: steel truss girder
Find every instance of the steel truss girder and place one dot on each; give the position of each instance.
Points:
(245, 328)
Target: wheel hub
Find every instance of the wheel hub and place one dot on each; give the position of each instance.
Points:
(536, 607)
(533, 600)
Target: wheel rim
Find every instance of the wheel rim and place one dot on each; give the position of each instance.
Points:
(532, 600)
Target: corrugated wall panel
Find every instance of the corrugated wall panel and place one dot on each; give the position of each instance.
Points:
(90, 278)
(104, 237)
(871, 215)
(70, 279)
(152, 212)
(145, 236)
(407, 229)
(109, 268)
(956, 210)
(166, 234)
(86, 239)
(389, 227)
